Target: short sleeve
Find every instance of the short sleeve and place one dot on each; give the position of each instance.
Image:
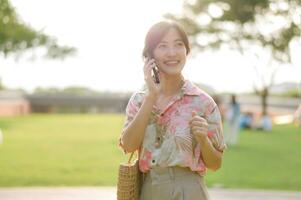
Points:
(215, 131)
(132, 109)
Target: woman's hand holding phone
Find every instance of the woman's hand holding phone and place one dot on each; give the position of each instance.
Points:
(150, 82)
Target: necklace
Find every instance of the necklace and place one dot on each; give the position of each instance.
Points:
(161, 127)
(166, 100)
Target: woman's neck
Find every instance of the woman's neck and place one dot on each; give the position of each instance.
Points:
(171, 85)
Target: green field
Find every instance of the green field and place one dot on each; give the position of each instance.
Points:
(81, 150)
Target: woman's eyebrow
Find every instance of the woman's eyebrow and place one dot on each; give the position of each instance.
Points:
(176, 40)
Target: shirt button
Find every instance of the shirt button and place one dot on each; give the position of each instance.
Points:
(153, 161)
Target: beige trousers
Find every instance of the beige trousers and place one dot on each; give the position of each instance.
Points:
(173, 183)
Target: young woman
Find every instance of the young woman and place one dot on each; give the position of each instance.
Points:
(175, 125)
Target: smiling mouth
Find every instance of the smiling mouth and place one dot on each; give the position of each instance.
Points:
(172, 63)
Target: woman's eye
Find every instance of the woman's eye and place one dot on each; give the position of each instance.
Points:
(162, 46)
(179, 44)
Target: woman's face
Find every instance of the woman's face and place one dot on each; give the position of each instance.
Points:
(170, 53)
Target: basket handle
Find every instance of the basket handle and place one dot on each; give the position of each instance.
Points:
(131, 156)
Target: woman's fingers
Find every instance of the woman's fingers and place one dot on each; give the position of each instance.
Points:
(149, 63)
(148, 67)
(152, 86)
(199, 126)
(197, 119)
(199, 130)
(199, 123)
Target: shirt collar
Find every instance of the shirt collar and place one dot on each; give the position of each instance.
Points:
(190, 89)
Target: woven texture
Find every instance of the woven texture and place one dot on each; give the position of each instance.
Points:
(129, 181)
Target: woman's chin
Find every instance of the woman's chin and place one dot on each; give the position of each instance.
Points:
(175, 70)
(172, 72)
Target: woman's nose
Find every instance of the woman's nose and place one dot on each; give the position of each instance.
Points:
(171, 51)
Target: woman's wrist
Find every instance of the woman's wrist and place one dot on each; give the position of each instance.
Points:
(151, 97)
(203, 141)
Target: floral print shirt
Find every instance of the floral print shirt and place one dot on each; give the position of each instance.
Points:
(168, 140)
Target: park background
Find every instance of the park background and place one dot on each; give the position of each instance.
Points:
(68, 69)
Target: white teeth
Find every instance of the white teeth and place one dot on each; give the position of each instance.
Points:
(172, 62)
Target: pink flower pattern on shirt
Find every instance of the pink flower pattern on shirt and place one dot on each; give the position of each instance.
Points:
(144, 160)
(179, 147)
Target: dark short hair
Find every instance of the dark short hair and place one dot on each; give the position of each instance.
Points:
(157, 32)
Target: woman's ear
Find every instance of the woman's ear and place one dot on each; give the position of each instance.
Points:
(191, 55)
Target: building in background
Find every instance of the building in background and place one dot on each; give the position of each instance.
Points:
(13, 103)
(74, 103)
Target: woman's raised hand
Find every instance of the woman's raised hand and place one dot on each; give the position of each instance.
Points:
(153, 87)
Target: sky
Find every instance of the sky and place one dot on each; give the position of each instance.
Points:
(109, 37)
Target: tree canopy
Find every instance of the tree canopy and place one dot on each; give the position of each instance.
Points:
(16, 37)
(271, 24)
(245, 25)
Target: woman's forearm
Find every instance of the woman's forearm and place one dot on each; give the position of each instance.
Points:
(133, 134)
(211, 156)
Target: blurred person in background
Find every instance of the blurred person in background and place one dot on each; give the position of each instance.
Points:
(266, 123)
(231, 123)
(246, 121)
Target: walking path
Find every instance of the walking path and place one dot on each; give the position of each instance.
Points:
(109, 193)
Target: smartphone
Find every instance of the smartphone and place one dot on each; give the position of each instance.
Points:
(156, 75)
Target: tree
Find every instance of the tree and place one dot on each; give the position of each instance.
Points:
(16, 37)
(246, 26)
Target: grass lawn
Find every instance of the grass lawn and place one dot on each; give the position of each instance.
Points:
(81, 150)
(262, 160)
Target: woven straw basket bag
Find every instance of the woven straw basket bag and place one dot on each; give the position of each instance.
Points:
(129, 180)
